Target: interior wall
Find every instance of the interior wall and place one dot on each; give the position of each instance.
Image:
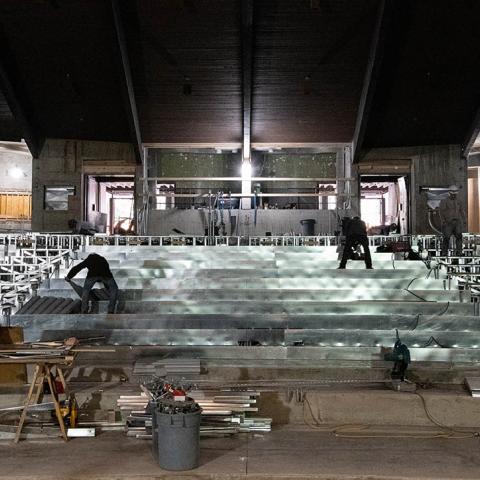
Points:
(278, 222)
(435, 166)
(10, 160)
(438, 167)
(15, 191)
(64, 163)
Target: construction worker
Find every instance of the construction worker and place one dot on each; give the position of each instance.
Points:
(356, 234)
(98, 271)
(452, 217)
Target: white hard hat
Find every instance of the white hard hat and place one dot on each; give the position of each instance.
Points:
(453, 188)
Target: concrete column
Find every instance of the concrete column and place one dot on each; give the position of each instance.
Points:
(246, 202)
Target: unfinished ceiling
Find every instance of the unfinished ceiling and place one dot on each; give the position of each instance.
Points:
(61, 71)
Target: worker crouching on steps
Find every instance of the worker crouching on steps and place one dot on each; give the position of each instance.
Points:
(98, 271)
(356, 233)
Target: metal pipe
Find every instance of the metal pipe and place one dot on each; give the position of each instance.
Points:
(253, 179)
(246, 195)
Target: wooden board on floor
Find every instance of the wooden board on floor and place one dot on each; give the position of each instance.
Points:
(16, 374)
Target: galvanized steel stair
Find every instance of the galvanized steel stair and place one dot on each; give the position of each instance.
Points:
(282, 299)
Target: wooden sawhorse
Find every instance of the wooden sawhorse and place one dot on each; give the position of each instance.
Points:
(44, 367)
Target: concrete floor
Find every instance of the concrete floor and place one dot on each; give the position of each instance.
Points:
(287, 453)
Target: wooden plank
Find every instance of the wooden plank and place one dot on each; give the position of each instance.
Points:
(16, 374)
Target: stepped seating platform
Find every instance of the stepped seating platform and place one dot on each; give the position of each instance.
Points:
(287, 302)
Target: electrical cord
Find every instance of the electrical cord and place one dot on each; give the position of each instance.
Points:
(446, 309)
(417, 319)
(431, 340)
(414, 294)
(353, 430)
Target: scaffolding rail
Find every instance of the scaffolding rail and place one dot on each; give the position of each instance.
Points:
(22, 273)
(52, 244)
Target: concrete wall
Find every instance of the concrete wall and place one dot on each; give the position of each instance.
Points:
(276, 221)
(9, 160)
(64, 163)
(15, 226)
(434, 166)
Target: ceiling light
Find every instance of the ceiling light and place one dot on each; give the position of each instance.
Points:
(246, 170)
(15, 172)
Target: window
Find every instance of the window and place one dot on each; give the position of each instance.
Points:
(56, 198)
(325, 201)
(165, 201)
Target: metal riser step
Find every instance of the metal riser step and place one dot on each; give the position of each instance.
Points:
(349, 295)
(431, 323)
(256, 302)
(227, 263)
(265, 337)
(318, 283)
(312, 272)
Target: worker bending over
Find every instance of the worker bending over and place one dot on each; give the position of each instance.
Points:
(453, 221)
(356, 234)
(98, 271)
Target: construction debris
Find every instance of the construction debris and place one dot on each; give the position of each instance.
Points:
(224, 412)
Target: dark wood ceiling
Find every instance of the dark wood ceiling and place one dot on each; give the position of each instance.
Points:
(309, 62)
(429, 83)
(308, 68)
(186, 68)
(64, 60)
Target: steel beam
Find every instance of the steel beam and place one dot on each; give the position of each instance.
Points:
(127, 82)
(371, 76)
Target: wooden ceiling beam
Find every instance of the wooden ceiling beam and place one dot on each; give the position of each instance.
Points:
(17, 100)
(127, 82)
(384, 14)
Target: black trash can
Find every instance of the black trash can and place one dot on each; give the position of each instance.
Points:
(308, 227)
(176, 439)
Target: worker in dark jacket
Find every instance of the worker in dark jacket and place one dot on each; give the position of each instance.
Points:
(356, 233)
(98, 271)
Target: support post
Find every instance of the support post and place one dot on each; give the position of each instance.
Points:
(247, 61)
